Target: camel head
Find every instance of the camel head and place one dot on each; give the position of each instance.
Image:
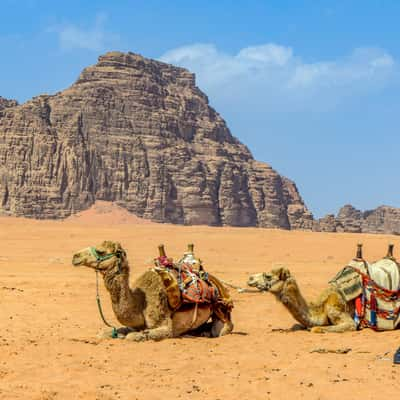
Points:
(272, 281)
(104, 257)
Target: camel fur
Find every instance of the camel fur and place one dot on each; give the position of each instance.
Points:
(143, 308)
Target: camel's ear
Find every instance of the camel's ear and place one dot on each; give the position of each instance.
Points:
(117, 246)
(106, 244)
(118, 249)
(284, 274)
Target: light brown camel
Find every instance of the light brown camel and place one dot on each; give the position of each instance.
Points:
(144, 308)
(330, 312)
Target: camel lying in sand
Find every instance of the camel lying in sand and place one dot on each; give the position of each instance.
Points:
(144, 308)
(330, 312)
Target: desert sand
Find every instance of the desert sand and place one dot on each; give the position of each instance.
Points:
(49, 318)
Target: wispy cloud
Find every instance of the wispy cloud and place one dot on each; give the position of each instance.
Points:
(273, 73)
(94, 37)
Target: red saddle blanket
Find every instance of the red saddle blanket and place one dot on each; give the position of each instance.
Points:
(194, 285)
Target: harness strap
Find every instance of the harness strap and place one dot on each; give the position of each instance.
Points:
(196, 309)
(100, 258)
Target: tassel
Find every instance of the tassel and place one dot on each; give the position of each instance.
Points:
(373, 306)
(358, 315)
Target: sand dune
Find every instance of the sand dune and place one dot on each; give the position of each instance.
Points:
(49, 319)
(106, 213)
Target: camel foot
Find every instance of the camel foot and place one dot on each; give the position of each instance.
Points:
(136, 336)
(318, 329)
(156, 334)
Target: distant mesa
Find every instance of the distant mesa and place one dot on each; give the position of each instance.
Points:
(139, 133)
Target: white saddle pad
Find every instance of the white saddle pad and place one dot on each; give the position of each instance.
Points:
(384, 272)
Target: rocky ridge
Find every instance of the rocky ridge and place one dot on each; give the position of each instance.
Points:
(383, 219)
(137, 132)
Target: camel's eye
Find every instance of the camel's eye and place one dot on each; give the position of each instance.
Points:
(101, 252)
(267, 277)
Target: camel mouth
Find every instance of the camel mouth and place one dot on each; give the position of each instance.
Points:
(253, 282)
(76, 261)
(262, 286)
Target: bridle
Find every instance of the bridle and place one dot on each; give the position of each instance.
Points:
(100, 258)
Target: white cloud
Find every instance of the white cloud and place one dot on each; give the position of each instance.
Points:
(273, 74)
(270, 53)
(94, 38)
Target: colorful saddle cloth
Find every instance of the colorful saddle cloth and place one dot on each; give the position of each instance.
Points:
(185, 284)
(375, 288)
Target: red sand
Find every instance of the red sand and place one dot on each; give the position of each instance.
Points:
(106, 213)
(49, 318)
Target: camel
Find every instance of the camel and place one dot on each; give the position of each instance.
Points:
(331, 312)
(144, 309)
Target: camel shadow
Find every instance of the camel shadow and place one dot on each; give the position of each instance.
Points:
(294, 328)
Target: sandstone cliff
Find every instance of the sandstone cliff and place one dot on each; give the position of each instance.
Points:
(140, 133)
(383, 219)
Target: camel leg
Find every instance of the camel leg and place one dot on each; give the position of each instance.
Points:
(159, 333)
(341, 320)
(220, 328)
(342, 327)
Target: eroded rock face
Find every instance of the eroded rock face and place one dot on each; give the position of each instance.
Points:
(5, 103)
(140, 133)
(383, 219)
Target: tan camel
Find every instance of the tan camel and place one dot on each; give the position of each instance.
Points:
(330, 312)
(144, 308)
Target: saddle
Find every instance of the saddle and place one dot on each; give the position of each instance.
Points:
(186, 282)
(375, 288)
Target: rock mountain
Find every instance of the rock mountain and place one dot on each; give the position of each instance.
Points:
(137, 132)
(383, 219)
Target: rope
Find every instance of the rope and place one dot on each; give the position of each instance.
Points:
(238, 288)
(114, 333)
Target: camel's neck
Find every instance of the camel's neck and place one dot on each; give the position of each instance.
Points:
(293, 300)
(127, 304)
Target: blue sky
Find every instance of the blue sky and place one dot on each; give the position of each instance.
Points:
(312, 87)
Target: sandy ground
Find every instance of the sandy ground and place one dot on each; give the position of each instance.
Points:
(49, 319)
